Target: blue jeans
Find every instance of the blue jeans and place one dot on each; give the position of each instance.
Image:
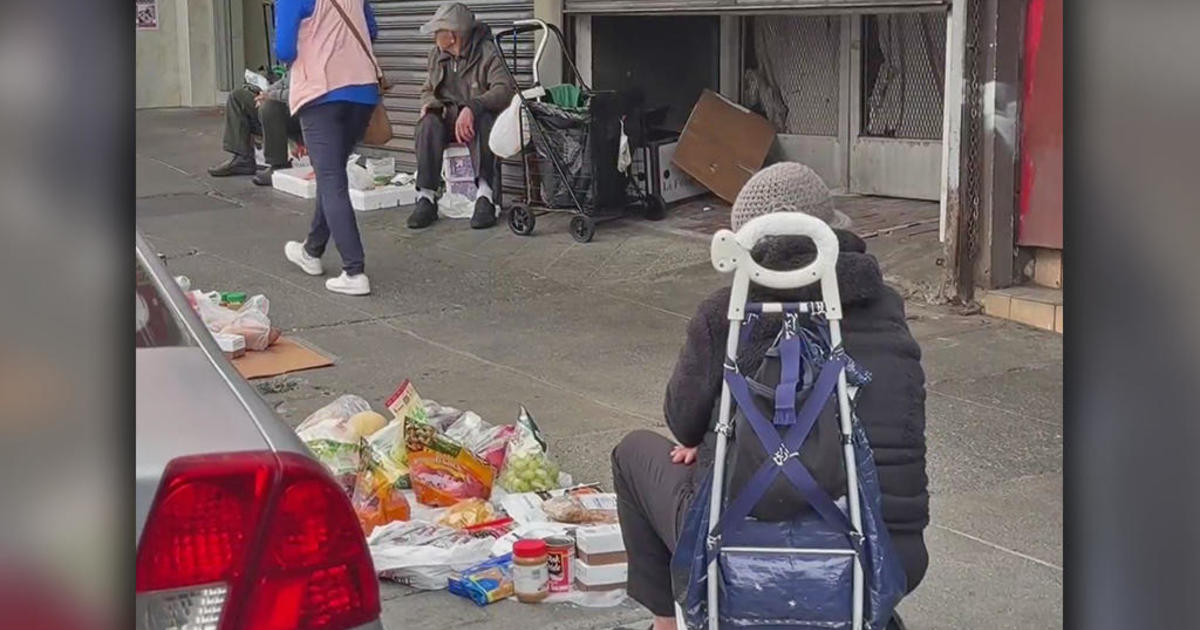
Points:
(331, 130)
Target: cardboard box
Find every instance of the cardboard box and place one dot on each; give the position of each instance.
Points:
(300, 181)
(667, 180)
(381, 197)
(600, 577)
(464, 188)
(614, 557)
(234, 346)
(723, 144)
(456, 164)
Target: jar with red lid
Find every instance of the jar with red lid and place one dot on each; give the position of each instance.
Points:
(531, 579)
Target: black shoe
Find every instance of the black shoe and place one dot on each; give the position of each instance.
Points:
(263, 176)
(485, 214)
(236, 165)
(423, 215)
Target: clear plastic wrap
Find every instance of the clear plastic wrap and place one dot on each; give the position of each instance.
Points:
(527, 467)
(334, 439)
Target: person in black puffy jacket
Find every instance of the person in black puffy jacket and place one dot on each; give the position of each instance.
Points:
(656, 479)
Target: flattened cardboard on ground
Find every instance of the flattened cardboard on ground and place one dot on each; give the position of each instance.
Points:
(723, 144)
(284, 356)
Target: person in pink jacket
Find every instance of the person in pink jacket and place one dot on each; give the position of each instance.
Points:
(334, 90)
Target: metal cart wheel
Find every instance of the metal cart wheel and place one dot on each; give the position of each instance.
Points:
(582, 228)
(656, 208)
(521, 220)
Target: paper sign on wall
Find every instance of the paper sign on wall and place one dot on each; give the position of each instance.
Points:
(147, 15)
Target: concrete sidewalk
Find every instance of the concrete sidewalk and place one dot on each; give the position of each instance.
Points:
(586, 336)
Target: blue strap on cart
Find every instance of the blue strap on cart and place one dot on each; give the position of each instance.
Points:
(785, 449)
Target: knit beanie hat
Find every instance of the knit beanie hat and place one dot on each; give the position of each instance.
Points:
(786, 187)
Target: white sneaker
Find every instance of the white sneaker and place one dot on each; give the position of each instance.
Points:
(349, 285)
(294, 251)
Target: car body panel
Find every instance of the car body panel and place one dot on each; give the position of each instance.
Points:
(190, 400)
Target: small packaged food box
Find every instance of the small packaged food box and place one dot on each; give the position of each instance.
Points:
(600, 577)
(598, 545)
(234, 346)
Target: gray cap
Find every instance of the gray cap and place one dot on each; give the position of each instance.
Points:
(453, 16)
(786, 187)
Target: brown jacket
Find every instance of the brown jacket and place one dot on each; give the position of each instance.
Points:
(485, 84)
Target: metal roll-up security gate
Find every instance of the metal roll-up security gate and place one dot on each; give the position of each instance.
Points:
(636, 7)
(403, 53)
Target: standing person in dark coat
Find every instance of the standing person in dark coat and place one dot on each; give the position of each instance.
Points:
(656, 479)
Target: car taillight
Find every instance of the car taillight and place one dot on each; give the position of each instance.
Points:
(253, 540)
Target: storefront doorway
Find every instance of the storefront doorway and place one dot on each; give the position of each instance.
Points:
(857, 94)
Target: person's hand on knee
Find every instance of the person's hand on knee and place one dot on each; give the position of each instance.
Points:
(464, 127)
(683, 454)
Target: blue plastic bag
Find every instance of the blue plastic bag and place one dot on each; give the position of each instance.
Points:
(790, 590)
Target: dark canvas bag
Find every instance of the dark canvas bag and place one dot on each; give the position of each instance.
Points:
(821, 452)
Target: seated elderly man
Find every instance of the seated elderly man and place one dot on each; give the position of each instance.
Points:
(466, 87)
(249, 113)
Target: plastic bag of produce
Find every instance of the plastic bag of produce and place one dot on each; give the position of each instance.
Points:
(384, 451)
(527, 468)
(250, 321)
(254, 327)
(378, 500)
(487, 441)
(442, 471)
(333, 433)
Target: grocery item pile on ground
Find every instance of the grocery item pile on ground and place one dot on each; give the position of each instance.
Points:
(236, 322)
(242, 328)
(448, 500)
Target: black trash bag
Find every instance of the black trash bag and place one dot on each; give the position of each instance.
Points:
(585, 144)
(563, 136)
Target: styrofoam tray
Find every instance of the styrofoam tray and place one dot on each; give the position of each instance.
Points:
(382, 197)
(294, 181)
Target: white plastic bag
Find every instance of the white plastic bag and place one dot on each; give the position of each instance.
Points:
(455, 206)
(253, 325)
(339, 412)
(214, 316)
(424, 555)
(334, 440)
(382, 170)
(250, 321)
(257, 80)
(509, 130)
(624, 156)
(358, 176)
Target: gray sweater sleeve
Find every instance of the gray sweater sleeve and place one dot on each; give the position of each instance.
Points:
(695, 383)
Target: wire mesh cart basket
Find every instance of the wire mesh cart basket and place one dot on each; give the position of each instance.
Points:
(571, 161)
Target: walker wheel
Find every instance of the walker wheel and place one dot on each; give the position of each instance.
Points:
(656, 208)
(521, 220)
(582, 228)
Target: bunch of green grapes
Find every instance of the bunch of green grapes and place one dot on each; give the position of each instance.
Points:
(529, 473)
